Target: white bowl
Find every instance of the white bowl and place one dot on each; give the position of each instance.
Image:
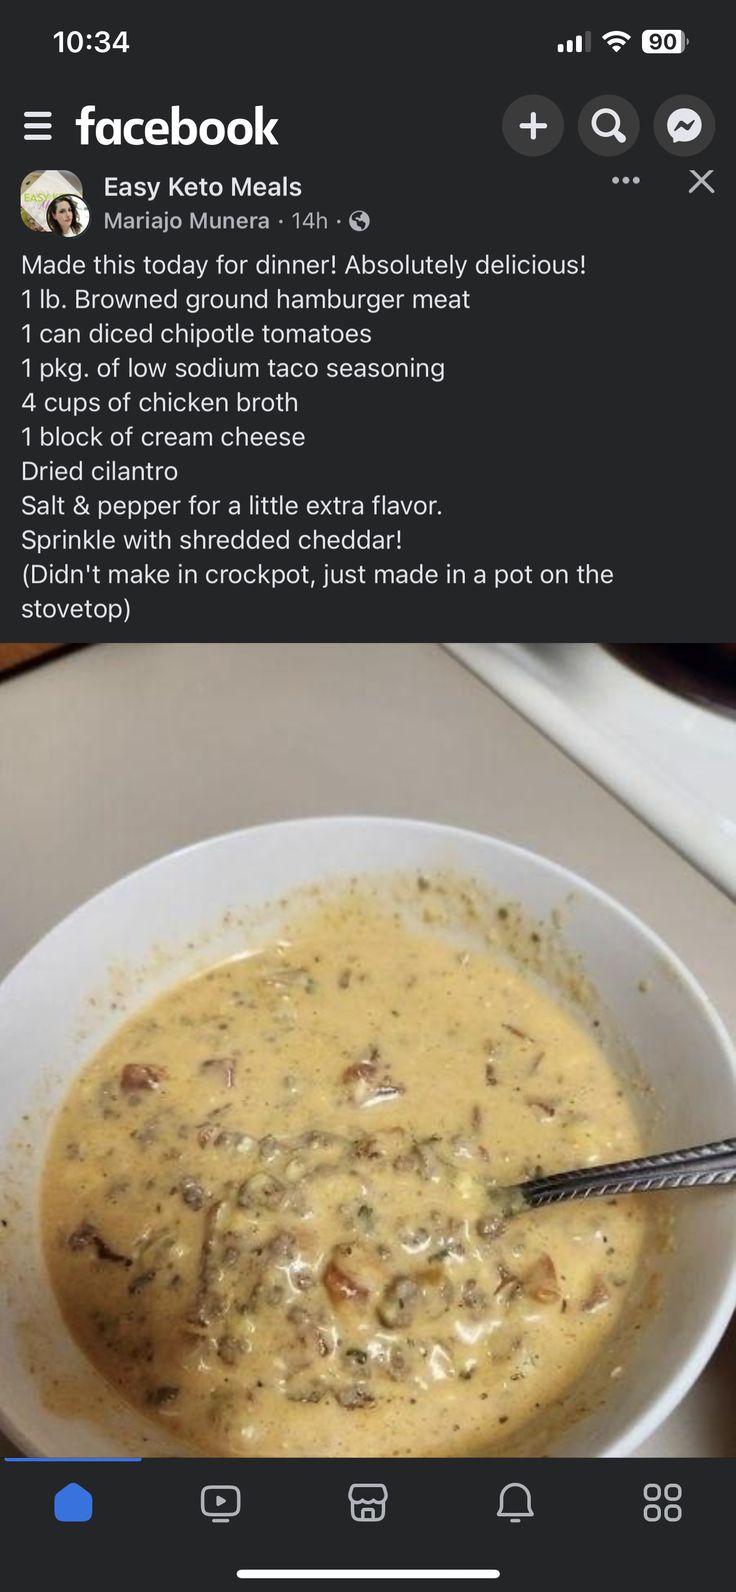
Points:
(158, 924)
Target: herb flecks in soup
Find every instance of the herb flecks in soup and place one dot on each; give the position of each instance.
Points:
(266, 1215)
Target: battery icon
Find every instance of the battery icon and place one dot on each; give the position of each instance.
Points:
(663, 41)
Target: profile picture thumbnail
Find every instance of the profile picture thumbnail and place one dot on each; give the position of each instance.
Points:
(52, 202)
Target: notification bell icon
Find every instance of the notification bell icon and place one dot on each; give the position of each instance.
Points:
(515, 1502)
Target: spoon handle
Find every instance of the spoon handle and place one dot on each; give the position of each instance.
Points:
(703, 1165)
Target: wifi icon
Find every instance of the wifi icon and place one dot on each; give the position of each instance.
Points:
(616, 39)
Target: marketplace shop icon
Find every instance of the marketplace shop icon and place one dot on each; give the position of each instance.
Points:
(367, 1501)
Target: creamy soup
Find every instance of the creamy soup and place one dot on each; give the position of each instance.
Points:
(271, 1205)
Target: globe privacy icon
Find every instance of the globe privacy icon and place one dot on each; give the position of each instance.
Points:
(73, 1503)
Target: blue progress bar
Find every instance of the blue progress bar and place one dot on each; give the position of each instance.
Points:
(73, 1459)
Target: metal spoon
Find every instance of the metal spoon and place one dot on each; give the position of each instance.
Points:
(704, 1165)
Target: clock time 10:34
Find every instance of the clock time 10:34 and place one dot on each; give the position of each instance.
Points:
(73, 43)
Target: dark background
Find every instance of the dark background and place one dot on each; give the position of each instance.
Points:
(587, 1529)
(581, 419)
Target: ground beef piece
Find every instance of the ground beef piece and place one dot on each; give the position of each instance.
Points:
(356, 1397)
(134, 1076)
(192, 1193)
(86, 1234)
(398, 1302)
(340, 1285)
(472, 1297)
(137, 1284)
(261, 1190)
(160, 1397)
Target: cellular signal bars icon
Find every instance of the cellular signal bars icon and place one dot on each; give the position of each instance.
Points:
(36, 126)
(575, 46)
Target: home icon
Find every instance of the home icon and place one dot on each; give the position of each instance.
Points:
(367, 1501)
(73, 1503)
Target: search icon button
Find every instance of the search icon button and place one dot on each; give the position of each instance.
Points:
(608, 125)
(614, 131)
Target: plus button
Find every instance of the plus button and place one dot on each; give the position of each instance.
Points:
(532, 125)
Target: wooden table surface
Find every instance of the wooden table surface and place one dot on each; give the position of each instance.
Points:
(15, 653)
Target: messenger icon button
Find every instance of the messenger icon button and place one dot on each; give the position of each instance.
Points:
(684, 126)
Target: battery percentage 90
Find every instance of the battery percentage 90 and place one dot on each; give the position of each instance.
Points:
(658, 41)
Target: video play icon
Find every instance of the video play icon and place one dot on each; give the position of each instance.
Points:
(219, 1504)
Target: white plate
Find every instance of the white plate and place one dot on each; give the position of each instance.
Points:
(48, 1029)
